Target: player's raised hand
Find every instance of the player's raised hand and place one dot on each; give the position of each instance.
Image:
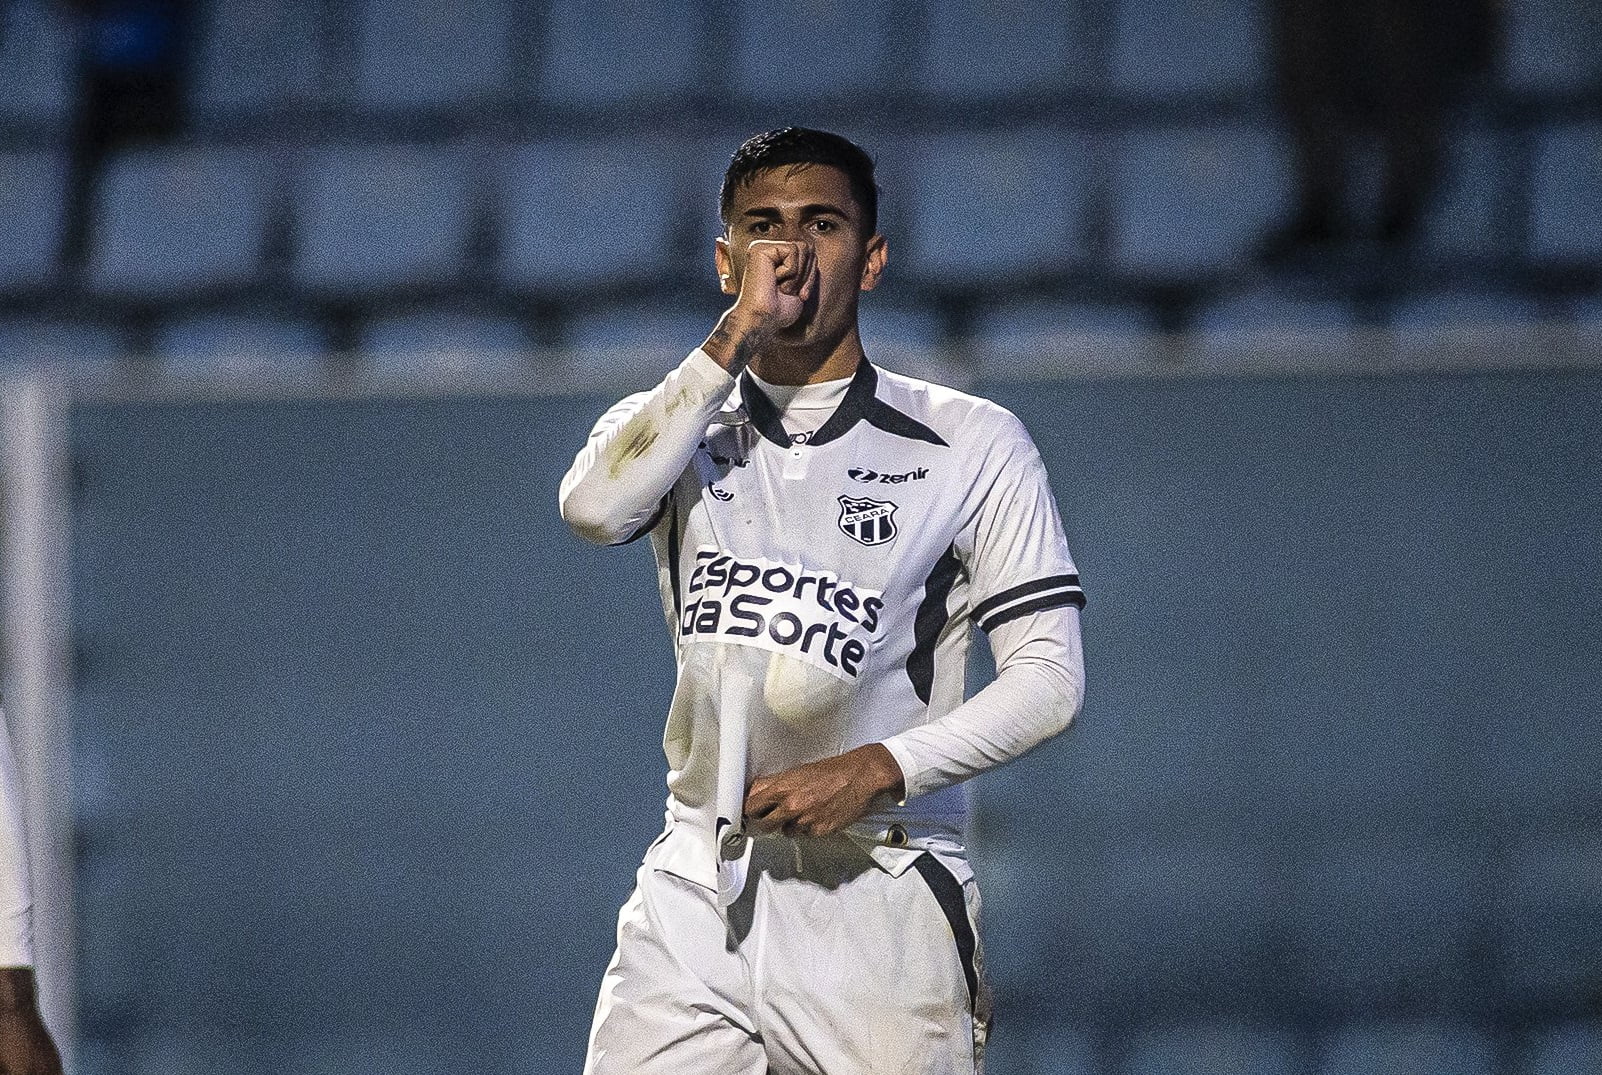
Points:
(778, 281)
(772, 283)
(822, 797)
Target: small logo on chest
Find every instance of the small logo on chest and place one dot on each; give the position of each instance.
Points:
(868, 522)
(865, 474)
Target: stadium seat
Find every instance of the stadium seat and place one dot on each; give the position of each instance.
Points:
(31, 204)
(1238, 1049)
(36, 53)
(1186, 48)
(908, 339)
(1566, 194)
(239, 343)
(1570, 1049)
(32, 342)
(1044, 338)
(601, 52)
(445, 340)
(980, 49)
(1270, 327)
(855, 35)
(1550, 47)
(582, 213)
(259, 57)
(1585, 310)
(1371, 925)
(374, 217)
(1008, 203)
(1271, 308)
(1466, 218)
(180, 220)
(702, 162)
(1459, 328)
(1549, 919)
(1434, 310)
(1194, 200)
(632, 347)
(422, 55)
(1403, 1048)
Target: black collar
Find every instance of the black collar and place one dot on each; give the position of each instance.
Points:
(859, 400)
(861, 403)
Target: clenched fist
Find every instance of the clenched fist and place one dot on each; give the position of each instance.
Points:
(777, 281)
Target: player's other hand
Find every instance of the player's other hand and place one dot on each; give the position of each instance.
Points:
(25, 1045)
(822, 797)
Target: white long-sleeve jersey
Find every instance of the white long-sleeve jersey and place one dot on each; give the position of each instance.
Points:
(16, 899)
(822, 554)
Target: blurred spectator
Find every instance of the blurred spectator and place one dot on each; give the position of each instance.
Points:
(1390, 70)
(132, 63)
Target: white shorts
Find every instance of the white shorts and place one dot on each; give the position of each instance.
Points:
(827, 964)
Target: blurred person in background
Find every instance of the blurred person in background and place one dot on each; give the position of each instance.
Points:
(25, 1045)
(1383, 72)
(826, 533)
(133, 60)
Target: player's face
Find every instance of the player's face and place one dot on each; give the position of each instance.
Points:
(809, 204)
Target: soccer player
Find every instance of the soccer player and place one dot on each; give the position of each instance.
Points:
(826, 533)
(25, 1045)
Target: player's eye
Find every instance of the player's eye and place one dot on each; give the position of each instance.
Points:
(824, 226)
(761, 227)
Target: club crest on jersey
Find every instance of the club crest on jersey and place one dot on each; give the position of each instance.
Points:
(871, 522)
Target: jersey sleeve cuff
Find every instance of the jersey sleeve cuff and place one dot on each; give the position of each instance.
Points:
(908, 767)
(705, 368)
(16, 938)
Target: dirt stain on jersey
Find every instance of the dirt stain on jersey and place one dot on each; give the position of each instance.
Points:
(637, 438)
(679, 399)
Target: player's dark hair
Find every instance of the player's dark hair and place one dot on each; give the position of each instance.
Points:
(803, 145)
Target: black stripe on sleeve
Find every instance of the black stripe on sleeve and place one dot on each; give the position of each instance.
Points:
(1075, 597)
(948, 894)
(930, 620)
(673, 563)
(1023, 589)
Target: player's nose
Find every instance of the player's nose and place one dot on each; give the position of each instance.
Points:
(794, 231)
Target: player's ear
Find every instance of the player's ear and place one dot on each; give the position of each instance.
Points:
(725, 263)
(873, 268)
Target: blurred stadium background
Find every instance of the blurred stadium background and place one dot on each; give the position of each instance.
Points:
(341, 752)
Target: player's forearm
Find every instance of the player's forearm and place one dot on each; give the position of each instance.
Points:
(636, 453)
(1036, 695)
(735, 341)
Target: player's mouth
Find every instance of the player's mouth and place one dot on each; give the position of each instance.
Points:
(809, 314)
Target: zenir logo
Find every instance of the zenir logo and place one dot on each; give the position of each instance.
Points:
(863, 474)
